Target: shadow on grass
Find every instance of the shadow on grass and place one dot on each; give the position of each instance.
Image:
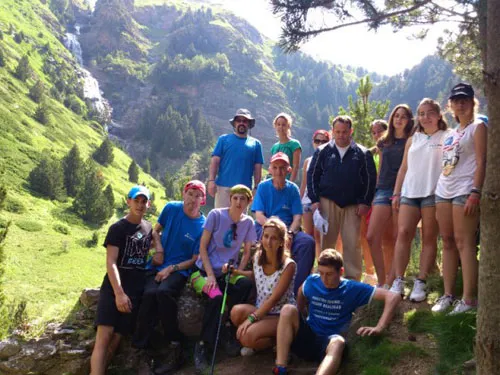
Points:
(454, 335)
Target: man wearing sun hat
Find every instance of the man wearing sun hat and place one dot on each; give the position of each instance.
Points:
(177, 241)
(236, 158)
(280, 197)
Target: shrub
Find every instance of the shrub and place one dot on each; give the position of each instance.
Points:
(2, 58)
(14, 205)
(37, 91)
(74, 169)
(42, 113)
(61, 228)
(104, 154)
(94, 240)
(3, 195)
(47, 178)
(23, 70)
(29, 225)
(133, 172)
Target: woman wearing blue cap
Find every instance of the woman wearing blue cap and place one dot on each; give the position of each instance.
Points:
(458, 193)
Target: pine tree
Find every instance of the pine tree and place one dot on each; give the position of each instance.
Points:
(2, 58)
(3, 195)
(42, 113)
(47, 178)
(19, 37)
(74, 169)
(37, 91)
(23, 70)
(169, 185)
(133, 172)
(104, 154)
(90, 202)
(147, 166)
(110, 197)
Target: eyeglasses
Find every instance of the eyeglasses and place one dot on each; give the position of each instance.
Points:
(234, 227)
(319, 141)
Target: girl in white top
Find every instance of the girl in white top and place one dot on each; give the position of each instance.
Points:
(274, 273)
(416, 182)
(457, 199)
(319, 138)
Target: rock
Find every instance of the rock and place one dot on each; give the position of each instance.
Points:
(190, 312)
(9, 348)
(62, 332)
(90, 297)
(469, 367)
(73, 353)
(74, 367)
(17, 365)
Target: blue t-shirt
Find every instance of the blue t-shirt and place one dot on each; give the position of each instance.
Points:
(238, 157)
(222, 246)
(181, 235)
(330, 310)
(284, 203)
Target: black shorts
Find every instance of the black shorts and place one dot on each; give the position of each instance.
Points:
(308, 345)
(108, 314)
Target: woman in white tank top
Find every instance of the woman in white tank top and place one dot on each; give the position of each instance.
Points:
(414, 196)
(457, 199)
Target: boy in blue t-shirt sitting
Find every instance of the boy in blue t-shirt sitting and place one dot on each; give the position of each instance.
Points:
(330, 301)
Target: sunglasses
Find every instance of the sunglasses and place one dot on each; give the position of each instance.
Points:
(319, 141)
(243, 120)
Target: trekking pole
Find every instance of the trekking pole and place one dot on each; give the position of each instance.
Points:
(223, 307)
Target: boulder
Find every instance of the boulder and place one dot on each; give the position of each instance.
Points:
(90, 297)
(9, 348)
(190, 312)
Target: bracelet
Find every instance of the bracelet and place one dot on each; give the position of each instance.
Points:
(475, 190)
(251, 318)
(210, 181)
(396, 194)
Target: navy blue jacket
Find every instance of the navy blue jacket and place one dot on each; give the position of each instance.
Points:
(347, 181)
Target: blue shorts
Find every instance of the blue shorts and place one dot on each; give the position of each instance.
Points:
(457, 201)
(429, 201)
(307, 207)
(308, 345)
(383, 197)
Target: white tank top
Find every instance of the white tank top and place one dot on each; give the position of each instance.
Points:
(424, 165)
(305, 198)
(265, 285)
(458, 163)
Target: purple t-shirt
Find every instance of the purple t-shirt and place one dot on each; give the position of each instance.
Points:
(223, 246)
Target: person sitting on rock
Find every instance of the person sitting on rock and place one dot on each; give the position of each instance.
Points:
(127, 246)
(273, 273)
(328, 300)
(179, 226)
(280, 197)
(225, 231)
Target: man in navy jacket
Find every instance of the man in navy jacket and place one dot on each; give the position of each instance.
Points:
(341, 183)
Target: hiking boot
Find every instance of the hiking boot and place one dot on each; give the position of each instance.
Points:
(460, 306)
(200, 357)
(398, 286)
(370, 279)
(279, 370)
(172, 362)
(418, 293)
(443, 303)
(247, 352)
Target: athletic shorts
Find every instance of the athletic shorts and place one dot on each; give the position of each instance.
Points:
(383, 197)
(306, 207)
(457, 201)
(108, 314)
(308, 345)
(429, 201)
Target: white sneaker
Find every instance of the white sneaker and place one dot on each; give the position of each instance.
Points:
(398, 286)
(247, 352)
(443, 303)
(370, 279)
(459, 306)
(418, 293)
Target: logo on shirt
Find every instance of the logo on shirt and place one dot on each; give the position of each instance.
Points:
(189, 237)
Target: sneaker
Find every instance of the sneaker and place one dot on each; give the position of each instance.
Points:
(418, 293)
(370, 279)
(172, 362)
(247, 352)
(200, 357)
(279, 370)
(460, 306)
(398, 286)
(443, 303)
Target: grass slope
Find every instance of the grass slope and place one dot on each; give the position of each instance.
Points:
(45, 267)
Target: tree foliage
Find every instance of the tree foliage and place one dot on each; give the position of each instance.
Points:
(42, 113)
(2, 57)
(23, 69)
(104, 154)
(363, 111)
(37, 91)
(47, 178)
(133, 172)
(74, 170)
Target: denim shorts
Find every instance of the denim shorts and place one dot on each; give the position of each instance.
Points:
(429, 201)
(307, 207)
(383, 197)
(457, 201)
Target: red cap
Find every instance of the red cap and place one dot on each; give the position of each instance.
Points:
(280, 156)
(197, 185)
(324, 133)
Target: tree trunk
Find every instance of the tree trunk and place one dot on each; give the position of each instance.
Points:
(488, 318)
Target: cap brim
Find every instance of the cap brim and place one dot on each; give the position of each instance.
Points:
(139, 194)
(460, 94)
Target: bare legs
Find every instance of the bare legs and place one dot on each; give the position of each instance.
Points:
(379, 220)
(106, 343)
(260, 335)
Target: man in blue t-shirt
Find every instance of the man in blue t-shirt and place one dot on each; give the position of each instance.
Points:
(235, 159)
(330, 301)
(279, 197)
(177, 240)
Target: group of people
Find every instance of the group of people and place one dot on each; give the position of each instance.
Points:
(426, 172)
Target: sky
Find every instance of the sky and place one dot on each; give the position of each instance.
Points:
(383, 51)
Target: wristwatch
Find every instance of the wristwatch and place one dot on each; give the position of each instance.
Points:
(176, 267)
(291, 233)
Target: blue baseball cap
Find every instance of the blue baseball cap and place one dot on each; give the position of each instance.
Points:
(138, 190)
